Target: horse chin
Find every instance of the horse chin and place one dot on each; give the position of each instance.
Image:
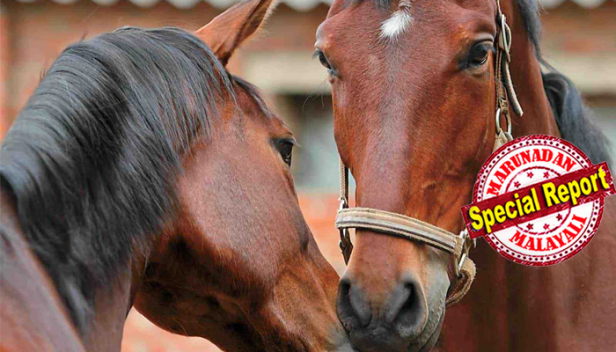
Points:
(433, 337)
(382, 341)
(428, 338)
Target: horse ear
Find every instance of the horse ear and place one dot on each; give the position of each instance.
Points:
(227, 31)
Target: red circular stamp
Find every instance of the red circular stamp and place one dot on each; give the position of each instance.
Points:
(538, 200)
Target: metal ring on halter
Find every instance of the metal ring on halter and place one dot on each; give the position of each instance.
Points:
(505, 37)
(465, 249)
(462, 260)
(344, 233)
(498, 125)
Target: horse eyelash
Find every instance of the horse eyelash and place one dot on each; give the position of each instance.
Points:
(465, 62)
(332, 71)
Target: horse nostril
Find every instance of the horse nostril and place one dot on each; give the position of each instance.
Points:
(353, 311)
(409, 309)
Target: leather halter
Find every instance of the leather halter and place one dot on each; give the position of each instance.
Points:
(388, 223)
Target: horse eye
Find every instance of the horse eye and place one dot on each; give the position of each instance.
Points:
(285, 148)
(479, 54)
(322, 59)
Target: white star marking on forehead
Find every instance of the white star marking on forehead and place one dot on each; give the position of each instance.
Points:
(398, 22)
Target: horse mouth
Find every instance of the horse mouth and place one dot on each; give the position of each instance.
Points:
(433, 337)
(377, 339)
(385, 339)
(380, 339)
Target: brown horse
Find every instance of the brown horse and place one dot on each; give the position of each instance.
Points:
(141, 172)
(414, 95)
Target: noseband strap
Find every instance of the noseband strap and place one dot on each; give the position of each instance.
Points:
(416, 230)
(388, 223)
(399, 225)
(393, 224)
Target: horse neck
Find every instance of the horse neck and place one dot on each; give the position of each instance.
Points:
(112, 302)
(32, 314)
(103, 331)
(526, 75)
(111, 306)
(538, 117)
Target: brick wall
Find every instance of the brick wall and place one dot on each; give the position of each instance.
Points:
(32, 35)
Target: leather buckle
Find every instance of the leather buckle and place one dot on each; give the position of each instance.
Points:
(345, 244)
(467, 242)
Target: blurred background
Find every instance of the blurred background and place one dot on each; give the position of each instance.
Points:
(579, 39)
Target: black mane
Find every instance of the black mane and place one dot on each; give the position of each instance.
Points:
(92, 158)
